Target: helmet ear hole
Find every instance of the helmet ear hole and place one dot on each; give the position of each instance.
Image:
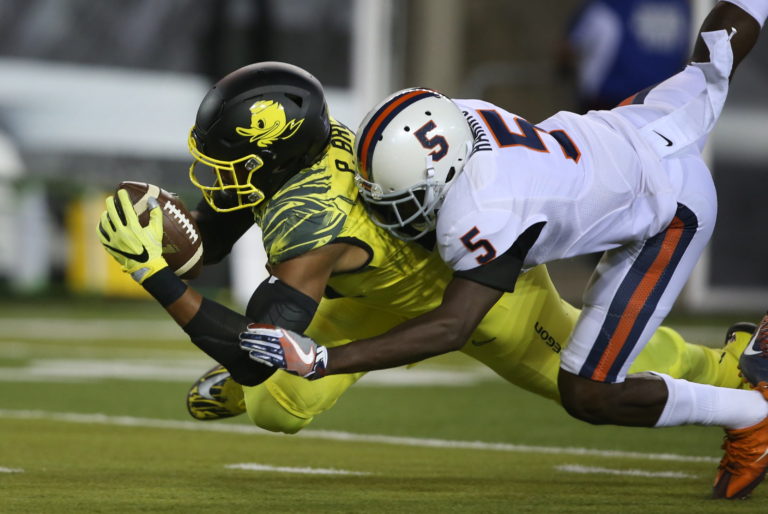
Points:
(450, 175)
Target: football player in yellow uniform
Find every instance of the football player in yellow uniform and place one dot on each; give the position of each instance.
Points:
(267, 152)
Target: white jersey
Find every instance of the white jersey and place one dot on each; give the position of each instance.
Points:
(592, 179)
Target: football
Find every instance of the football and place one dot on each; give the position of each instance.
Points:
(182, 243)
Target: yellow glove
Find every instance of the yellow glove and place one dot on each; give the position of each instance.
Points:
(139, 250)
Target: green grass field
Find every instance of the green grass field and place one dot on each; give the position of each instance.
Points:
(92, 419)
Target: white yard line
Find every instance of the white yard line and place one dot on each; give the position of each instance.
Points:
(589, 470)
(251, 466)
(89, 329)
(11, 470)
(329, 435)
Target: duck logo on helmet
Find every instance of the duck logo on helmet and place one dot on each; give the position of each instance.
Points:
(268, 124)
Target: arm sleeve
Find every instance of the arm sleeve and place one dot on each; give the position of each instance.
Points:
(220, 230)
(501, 273)
(215, 329)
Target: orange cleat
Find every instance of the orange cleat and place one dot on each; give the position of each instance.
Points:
(745, 461)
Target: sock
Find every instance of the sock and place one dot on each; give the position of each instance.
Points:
(689, 403)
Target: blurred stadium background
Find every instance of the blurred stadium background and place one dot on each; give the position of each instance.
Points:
(95, 93)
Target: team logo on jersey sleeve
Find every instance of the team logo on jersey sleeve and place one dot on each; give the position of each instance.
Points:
(268, 124)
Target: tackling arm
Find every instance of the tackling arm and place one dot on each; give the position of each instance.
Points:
(467, 299)
(442, 330)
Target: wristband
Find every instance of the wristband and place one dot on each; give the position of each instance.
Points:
(165, 286)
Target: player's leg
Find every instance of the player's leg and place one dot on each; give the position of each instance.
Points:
(287, 403)
(522, 336)
(668, 353)
(632, 291)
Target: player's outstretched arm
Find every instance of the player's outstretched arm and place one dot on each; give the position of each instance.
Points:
(442, 330)
(288, 298)
(211, 326)
(746, 16)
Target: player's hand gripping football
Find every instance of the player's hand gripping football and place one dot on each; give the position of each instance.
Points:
(137, 249)
(285, 349)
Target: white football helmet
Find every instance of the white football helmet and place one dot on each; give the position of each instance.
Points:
(409, 149)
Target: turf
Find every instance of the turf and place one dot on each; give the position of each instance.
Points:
(121, 441)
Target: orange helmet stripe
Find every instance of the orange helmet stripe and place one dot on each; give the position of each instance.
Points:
(379, 121)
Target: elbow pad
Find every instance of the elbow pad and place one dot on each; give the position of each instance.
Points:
(276, 303)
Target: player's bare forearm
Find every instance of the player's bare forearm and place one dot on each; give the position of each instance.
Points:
(726, 16)
(413, 341)
(443, 330)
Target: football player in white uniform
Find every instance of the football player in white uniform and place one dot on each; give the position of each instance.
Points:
(629, 182)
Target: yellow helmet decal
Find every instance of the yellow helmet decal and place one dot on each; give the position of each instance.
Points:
(268, 123)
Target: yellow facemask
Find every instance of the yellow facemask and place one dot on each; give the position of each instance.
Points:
(222, 176)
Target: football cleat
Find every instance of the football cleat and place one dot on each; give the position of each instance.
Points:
(745, 461)
(215, 395)
(754, 359)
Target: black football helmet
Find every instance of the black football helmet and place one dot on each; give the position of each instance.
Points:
(255, 129)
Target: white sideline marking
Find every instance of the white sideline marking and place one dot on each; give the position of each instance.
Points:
(285, 469)
(11, 470)
(331, 435)
(575, 468)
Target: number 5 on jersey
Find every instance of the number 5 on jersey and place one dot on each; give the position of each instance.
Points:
(489, 252)
(528, 136)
